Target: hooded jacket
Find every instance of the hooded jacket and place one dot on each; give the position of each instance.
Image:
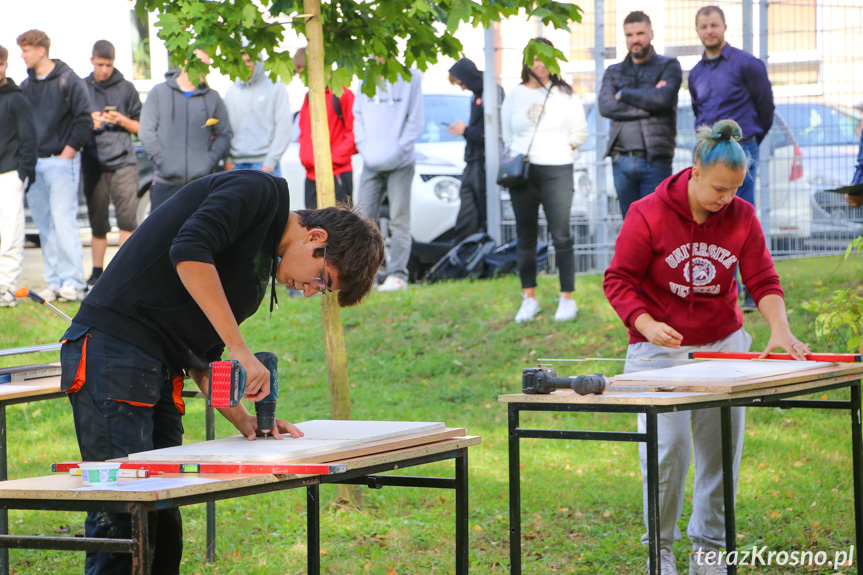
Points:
(261, 120)
(61, 109)
(387, 126)
(174, 132)
(233, 220)
(682, 272)
(474, 134)
(111, 145)
(18, 144)
(342, 145)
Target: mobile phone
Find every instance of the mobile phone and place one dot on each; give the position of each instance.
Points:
(110, 109)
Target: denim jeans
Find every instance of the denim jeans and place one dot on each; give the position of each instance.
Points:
(257, 166)
(635, 178)
(747, 190)
(551, 186)
(53, 201)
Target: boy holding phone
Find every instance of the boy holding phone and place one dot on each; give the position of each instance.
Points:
(109, 163)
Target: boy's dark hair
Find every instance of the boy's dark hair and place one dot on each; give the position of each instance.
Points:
(354, 247)
(4, 54)
(707, 10)
(36, 38)
(637, 16)
(526, 73)
(104, 49)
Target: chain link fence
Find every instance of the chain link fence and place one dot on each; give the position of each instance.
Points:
(816, 68)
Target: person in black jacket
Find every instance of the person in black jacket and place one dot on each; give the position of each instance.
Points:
(171, 302)
(472, 213)
(639, 95)
(108, 163)
(17, 167)
(61, 111)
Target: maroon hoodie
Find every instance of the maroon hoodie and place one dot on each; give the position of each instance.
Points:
(682, 272)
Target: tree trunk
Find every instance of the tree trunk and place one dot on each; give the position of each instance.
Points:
(337, 357)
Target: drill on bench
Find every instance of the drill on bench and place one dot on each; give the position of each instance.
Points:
(228, 384)
(542, 381)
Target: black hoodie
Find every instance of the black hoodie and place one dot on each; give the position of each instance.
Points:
(18, 141)
(111, 145)
(61, 109)
(465, 70)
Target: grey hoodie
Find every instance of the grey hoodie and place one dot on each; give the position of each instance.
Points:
(261, 120)
(387, 126)
(173, 130)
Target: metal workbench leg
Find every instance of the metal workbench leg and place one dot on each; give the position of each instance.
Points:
(313, 527)
(4, 514)
(857, 463)
(652, 493)
(211, 505)
(462, 531)
(514, 494)
(140, 541)
(728, 484)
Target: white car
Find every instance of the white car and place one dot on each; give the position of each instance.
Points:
(436, 184)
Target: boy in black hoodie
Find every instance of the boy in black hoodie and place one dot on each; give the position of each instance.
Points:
(471, 214)
(17, 167)
(61, 111)
(109, 164)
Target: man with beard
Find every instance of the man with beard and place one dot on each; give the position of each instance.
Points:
(639, 96)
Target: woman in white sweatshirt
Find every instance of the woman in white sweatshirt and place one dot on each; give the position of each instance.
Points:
(560, 128)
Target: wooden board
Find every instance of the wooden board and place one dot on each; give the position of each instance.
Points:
(321, 437)
(720, 371)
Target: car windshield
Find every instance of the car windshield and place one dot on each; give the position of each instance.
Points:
(821, 125)
(440, 111)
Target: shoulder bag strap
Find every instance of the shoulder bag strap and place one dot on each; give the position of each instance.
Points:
(547, 94)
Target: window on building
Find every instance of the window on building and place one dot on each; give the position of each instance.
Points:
(140, 46)
(791, 26)
(581, 40)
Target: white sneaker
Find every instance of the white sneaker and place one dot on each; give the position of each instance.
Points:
(49, 294)
(393, 283)
(706, 564)
(7, 297)
(566, 310)
(69, 293)
(667, 563)
(528, 310)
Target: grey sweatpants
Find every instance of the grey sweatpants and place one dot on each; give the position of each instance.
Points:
(707, 525)
(397, 186)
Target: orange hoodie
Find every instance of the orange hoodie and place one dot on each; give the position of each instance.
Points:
(682, 272)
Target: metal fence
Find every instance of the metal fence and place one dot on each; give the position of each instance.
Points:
(811, 50)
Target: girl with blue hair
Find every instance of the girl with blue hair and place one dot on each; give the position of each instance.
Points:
(672, 282)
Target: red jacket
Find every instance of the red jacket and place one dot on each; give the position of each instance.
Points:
(682, 272)
(342, 145)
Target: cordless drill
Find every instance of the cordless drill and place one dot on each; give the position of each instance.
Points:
(228, 384)
(542, 381)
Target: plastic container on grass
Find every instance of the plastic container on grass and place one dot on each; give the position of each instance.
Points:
(98, 472)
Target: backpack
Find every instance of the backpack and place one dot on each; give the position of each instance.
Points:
(504, 260)
(465, 260)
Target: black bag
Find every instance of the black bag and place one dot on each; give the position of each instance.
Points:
(514, 171)
(465, 260)
(504, 260)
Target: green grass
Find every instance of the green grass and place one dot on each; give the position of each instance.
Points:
(444, 353)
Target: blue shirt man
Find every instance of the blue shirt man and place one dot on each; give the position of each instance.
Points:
(729, 83)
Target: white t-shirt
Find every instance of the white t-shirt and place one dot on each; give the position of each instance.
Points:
(562, 127)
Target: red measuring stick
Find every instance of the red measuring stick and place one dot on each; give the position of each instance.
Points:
(837, 357)
(250, 468)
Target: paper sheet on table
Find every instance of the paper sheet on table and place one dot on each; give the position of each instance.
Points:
(150, 484)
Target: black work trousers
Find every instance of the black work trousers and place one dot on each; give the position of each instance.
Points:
(471, 214)
(552, 187)
(344, 191)
(123, 401)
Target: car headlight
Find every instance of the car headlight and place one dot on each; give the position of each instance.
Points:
(447, 191)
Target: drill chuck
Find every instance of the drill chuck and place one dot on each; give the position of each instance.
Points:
(265, 409)
(542, 381)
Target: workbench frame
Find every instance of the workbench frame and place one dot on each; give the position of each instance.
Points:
(138, 544)
(775, 398)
